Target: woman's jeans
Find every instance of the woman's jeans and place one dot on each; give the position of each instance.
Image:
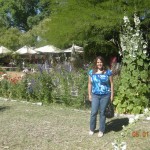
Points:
(99, 102)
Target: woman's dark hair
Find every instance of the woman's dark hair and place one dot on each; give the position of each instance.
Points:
(95, 64)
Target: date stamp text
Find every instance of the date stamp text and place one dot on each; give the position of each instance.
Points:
(140, 134)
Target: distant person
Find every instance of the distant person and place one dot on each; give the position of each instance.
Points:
(46, 65)
(113, 61)
(100, 91)
(115, 65)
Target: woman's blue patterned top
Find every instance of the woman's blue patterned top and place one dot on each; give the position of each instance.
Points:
(100, 82)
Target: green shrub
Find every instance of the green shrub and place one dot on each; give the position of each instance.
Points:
(70, 88)
(133, 92)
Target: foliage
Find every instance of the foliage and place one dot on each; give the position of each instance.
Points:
(23, 14)
(10, 38)
(67, 26)
(92, 24)
(133, 92)
(28, 39)
(18, 16)
(14, 39)
(40, 87)
(67, 88)
(70, 88)
(30, 88)
(13, 87)
(2, 71)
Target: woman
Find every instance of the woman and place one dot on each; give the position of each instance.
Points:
(100, 91)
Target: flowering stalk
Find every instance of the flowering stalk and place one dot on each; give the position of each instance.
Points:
(134, 87)
(131, 39)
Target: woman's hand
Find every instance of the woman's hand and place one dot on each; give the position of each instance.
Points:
(89, 88)
(90, 97)
(112, 88)
(111, 98)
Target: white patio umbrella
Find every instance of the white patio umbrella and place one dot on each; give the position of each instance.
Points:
(68, 50)
(26, 50)
(4, 50)
(78, 48)
(48, 49)
(74, 48)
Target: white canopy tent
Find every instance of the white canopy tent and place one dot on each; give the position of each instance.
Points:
(48, 49)
(74, 48)
(26, 50)
(4, 50)
(68, 50)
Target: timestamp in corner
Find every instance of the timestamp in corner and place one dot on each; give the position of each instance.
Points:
(140, 134)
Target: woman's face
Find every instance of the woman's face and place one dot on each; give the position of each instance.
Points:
(99, 64)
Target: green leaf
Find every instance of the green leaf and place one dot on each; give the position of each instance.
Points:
(137, 109)
(131, 67)
(140, 62)
(130, 107)
(124, 105)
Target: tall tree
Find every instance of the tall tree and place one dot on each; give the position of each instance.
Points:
(93, 24)
(23, 13)
(10, 38)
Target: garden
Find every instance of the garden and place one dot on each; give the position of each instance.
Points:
(48, 108)
(69, 88)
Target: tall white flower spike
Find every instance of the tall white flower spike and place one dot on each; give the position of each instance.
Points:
(136, 20)
(126, 19)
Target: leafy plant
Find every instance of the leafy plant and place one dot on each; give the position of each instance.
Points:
(70, 87)
(133, 92)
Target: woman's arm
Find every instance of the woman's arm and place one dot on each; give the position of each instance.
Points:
(112, 88)
(89, 88)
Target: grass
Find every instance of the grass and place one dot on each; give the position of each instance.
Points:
(31, 127)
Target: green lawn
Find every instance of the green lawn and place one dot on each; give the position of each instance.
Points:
(30, 127)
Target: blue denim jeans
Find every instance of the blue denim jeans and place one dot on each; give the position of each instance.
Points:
(99, 103)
